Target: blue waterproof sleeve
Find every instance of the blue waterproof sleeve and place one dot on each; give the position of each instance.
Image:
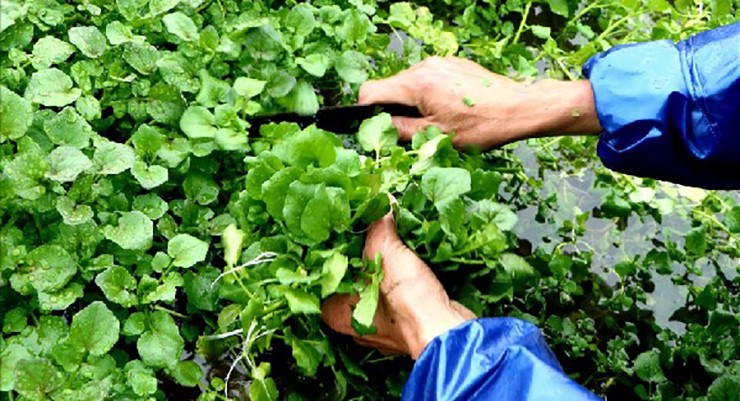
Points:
(502, 359)
(672, 111)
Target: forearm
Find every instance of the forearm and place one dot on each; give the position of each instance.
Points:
(553, 108)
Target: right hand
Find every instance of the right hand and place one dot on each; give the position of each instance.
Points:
(499, 110)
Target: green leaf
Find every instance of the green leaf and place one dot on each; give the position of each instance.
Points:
(141, 379)
(134, 231)
(11, 355)
(307, 355)
(732, 220)
(328, 210)
(232, 240)
(89, 40)
(66, 163)
(49, 51)
(88, 107)
(302, 99)
(187, 373)
(157, 7)
(332, 272)
(141, 57)
(309, 147)
(724, 388)
(647, 367)
(15, 320)
(213, 91)
(151, 205)
(160, 345)
(202, 294)
(51, 87)
(200, 188)
(147, 140)
(37, 379)
(696, 241)
(249, 87)
(135, 324)
(444, 184)
(51, 268)
(301, 302)
(314, 64)
(118, 33)
(198, 122)
(112, 158)
(117, 283)
(516, 266)
(352, 67)
(364, 312)
(62, 299)
(355, 28)
(16, 115)
(68, 128)
(149, 176)
(377, 134)
(301, 20)
(275, 189)
(95, 328)
(559, 7)
(181, 26)
(542, 32)
(227, 139)
(186, 250)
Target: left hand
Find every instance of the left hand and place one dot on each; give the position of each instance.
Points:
(413, 308)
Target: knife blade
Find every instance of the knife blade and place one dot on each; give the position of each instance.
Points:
(336, 119)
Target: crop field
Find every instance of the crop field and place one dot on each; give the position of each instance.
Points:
(153, 246)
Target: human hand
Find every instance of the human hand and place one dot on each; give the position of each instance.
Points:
(413, 307)
(481, 108)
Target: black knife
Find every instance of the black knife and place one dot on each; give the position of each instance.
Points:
(336, 119)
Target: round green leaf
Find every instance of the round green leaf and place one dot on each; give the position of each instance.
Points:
(16, 115)
(89, 40)
(134, 231)
(198, 122)
(66, 163)
(95, 328)
(112, 158)
(161, 345)
(186, 250)
(51, 87)
(181, 26)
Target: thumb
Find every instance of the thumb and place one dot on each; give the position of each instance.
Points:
(407, 126)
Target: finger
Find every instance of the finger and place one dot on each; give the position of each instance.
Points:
(336, 312)
(382, 237)
(407, 126)
(396, 89)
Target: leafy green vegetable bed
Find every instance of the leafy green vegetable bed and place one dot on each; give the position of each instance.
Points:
(150, 250)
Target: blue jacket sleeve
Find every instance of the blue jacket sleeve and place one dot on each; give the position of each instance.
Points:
(672, 111)
(502, 359)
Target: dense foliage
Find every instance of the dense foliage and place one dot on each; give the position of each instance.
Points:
(149, 247)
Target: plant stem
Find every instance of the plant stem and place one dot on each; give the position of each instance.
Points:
(525, 15)
(171, 312)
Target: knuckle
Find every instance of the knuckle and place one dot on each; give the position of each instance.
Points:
(434, 62)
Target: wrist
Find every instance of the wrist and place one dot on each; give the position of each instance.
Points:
(429, 327)
(560, 108)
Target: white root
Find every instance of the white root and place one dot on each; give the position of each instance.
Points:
(264, 257)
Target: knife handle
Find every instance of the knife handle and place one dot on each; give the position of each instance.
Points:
(399, 110)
